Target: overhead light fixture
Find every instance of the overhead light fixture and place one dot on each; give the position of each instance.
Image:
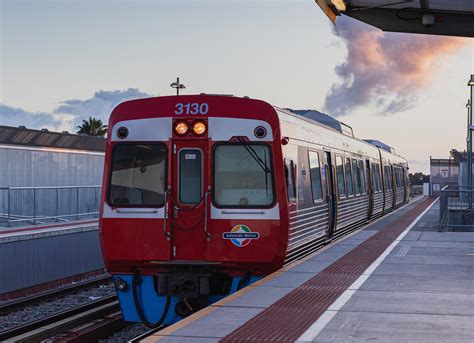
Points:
(471, 81)
(339, 4)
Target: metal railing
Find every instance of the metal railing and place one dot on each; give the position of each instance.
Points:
(456, 208)
(38, 205)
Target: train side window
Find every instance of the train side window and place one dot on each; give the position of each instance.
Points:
(349, 183)
(290, 180)
(362, 177)
(340, 177)
(356, 173)
(315, 171)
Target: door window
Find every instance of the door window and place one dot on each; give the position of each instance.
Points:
(349, 185)
(190, 176)
(356, 173)
(362, 177)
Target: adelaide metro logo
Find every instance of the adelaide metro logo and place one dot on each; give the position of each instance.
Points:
(240, 235)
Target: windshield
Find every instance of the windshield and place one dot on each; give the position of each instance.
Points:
(243, 175)
(138, 175)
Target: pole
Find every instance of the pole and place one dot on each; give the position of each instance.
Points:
(177, 86)
(469, 153)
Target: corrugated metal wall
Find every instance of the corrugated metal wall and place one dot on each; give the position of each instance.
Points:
(30, 260)
(46, 167)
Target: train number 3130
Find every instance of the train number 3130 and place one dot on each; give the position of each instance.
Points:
(191, 108)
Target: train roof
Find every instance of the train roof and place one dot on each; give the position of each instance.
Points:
(21, 136)
(326, 120)
(381, 145)
(334, 125)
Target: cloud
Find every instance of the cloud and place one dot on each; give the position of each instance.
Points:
(100, 105)
(384, 70)
(15, 116)
(69, 113)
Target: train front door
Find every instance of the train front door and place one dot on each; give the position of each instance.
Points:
(187, 208)
(331, 195)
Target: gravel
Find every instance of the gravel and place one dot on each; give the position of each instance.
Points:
(54, 305)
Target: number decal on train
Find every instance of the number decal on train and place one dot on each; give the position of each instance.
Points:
(191, 108)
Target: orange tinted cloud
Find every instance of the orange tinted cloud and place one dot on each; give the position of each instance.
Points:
(386, 70)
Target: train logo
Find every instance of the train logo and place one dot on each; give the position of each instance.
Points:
(240, 235)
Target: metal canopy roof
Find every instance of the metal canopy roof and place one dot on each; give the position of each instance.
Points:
(438, 17)
(40, 138)
(443, 5)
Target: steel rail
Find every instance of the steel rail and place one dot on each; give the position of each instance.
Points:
(146, 334)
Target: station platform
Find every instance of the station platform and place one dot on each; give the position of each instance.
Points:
(396, 280)
(37, 258)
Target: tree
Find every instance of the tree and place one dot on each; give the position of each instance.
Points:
(92, 127)
(418, 178)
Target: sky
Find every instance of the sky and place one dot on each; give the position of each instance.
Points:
(64, 60)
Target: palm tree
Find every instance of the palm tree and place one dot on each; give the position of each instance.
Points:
(92, 127)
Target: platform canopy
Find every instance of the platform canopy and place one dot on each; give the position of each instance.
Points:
(437, 17)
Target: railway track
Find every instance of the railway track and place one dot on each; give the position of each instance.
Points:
(13, 305)
(51, 327)
(27, 314)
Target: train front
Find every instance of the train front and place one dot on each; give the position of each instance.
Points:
(194, 204)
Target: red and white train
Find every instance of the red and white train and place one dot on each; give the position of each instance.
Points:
(204, 194)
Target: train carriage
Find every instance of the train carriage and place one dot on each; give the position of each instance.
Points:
(205, 194)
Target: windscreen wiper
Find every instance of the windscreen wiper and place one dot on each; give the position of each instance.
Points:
(255, 156)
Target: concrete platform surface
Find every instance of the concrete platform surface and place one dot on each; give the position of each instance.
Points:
(421, 291)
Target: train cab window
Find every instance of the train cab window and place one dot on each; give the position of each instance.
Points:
(362, 177)
(340, 177)
(356, 173)
(349, 183)
(315, 171)
(138, 175)
(243, 175)
(190, 176)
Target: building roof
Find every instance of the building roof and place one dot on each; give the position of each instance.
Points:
(21, 136)
(459, 156)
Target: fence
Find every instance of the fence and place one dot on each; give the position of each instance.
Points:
(37, 205)
(456, 208)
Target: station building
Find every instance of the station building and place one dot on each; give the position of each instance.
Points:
(443, 172)
(45, 173)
